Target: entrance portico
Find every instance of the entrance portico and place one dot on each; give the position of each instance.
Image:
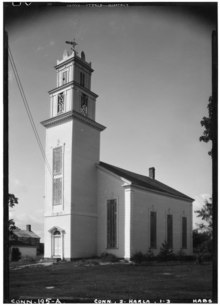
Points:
(57, 242)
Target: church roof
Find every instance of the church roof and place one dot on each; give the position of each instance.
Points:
(144, 181)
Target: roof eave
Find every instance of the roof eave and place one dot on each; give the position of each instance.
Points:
(128, 183)
(125, 181)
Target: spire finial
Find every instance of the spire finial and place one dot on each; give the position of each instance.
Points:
(73, 43)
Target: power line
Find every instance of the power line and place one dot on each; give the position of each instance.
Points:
(28, 109)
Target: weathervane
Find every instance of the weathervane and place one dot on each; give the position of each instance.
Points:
(73, 43)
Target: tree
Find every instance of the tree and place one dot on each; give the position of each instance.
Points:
(208, 123)
(15, 254)
(12, 200)
(201, 241)
(203, 235)
(205, 213)
(166, 253)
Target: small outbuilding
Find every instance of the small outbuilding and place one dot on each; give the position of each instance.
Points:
(26, 241)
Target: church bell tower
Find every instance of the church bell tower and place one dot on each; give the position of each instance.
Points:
(72, 152)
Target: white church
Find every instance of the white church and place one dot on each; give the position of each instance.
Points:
(92, 207)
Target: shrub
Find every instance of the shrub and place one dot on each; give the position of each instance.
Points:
(181, 256)
(166, 253)
(202, 242)
(15, 254)
(138, 257)
(150, 255)
(189, 258)
(181, 253)
(107, 257)
(207, 257)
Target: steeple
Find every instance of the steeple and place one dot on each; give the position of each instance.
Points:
(73, 85)
(72, 150)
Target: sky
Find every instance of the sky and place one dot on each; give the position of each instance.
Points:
(152, 75)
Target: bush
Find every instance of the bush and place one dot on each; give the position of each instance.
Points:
(189, 258)
(138, 257)
(166, 253)
(150, 255)
(202, 242)
(181, 256)
(107, 257)
(207, 257)
(15, 254)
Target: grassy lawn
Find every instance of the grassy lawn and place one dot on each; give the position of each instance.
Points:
(115, 281)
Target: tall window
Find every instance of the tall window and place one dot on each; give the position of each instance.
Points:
(84, 105)
(60, 103)
(82, 79)
(57, 176)
(184, 233)
(170, 231)
(111, 223)
(64, 77)
(153, 230)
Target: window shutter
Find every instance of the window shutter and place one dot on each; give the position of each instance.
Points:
(170, 231)
(111, 223)
(108, 224)
(184, 232)
(57, 176)
(64, 77)
(60, 103)
(57, 161)
(82, 79)
(153, 230)
(57, 191)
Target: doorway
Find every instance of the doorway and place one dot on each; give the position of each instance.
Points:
(57, 244)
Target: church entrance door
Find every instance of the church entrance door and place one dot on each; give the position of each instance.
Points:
(57, 244)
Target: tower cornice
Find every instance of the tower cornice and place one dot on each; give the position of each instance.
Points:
(77, 60)
(70, 115)
(72, 83)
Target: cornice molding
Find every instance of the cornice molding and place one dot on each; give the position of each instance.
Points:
(70, 115)
(64, 86)
(162, 193)
(72, 83)
(77, 213)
